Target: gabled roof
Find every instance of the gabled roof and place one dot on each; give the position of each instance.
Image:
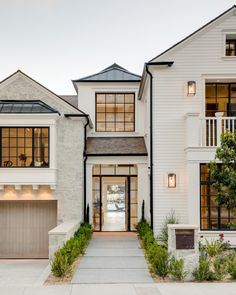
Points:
(19, 72)
(113, 73)
(25, 107)
(195, 32)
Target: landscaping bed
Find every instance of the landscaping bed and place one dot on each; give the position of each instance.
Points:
(66, 259)
(217, 261)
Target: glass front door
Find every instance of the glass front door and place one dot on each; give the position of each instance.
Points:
(115, 202)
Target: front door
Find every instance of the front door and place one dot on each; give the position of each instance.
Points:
(114, 204)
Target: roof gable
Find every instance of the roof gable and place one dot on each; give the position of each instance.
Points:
(229, 11)
(113, 73)
(20, 75)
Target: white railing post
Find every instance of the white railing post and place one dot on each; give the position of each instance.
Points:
(219, 116)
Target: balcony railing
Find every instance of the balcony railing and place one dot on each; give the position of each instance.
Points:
(207, 131)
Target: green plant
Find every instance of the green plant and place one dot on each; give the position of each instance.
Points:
(160, 264)
(224, 175)
(213, 247)
(220, 265)
(60, 266)
(170, 219)
(142, 228)
(151, 252)
(176, 268)
(148, 239)
(75, 246)
(203, 272)
(232, 266)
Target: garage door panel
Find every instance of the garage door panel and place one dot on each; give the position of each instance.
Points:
(24, 227)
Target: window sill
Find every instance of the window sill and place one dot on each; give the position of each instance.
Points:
(228, 57)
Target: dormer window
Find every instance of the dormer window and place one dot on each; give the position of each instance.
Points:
(115, 112)
(230, 45)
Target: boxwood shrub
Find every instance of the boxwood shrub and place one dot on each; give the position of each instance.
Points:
(61, 265)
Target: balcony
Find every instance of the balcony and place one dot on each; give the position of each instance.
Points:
(205, 132)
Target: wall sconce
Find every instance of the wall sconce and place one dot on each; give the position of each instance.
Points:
(171, 180)
(191, 87)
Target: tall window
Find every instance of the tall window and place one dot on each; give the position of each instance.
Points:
(213, 217)
(24, 147)
(115, 112)
(230, 48)
(221, 97)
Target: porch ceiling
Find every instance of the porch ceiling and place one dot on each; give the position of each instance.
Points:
(115, 146)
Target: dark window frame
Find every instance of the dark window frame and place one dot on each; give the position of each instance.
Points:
(228, 51)
(32, 147)
(230, 112)
(115, 112)
(219, 218)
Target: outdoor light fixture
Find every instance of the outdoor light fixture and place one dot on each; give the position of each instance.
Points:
(191, 87)
(171, 180)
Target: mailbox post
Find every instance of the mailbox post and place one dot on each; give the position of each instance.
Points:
(183, 242)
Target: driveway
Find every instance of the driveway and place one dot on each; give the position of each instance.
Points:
(22, 272)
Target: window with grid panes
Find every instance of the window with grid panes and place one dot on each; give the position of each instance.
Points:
(24, 147)
(115, 112)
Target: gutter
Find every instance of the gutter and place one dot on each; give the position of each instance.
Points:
(84, 154)
(151, 148)
(168, 64)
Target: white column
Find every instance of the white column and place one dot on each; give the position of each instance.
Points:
(219, 116)
(193, 191)
(52, 148)
(143, 190)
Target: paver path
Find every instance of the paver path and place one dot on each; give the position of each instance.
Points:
(113, 258)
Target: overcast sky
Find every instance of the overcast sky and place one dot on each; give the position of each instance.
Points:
(54, 41)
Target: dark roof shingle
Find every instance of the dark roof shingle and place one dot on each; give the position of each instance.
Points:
(109, 146)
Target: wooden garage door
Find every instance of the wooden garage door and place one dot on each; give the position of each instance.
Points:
(24, 227)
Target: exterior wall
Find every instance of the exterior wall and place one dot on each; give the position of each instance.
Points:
(200, 59)
(86, 101)
(69, 151)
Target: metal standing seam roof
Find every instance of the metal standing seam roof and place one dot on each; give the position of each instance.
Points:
(113, 73)
(25, 107)
(109, 146)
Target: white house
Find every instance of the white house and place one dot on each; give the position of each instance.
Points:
(191, 91)
(121, 142)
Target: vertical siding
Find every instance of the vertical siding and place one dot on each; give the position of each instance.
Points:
(197, 59)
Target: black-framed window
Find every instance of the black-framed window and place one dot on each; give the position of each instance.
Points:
(115, 112)
(221, 97)
(213, 217)
(230, 47)
(24, 147)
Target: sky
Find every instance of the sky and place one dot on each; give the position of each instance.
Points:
(56, 41)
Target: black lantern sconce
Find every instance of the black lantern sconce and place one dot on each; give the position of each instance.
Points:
(191, 87)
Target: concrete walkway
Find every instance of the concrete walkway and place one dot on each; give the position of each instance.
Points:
(113, 258)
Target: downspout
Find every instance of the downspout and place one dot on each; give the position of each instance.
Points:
(151, 145)
(85, 160)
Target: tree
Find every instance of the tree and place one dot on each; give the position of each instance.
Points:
(224, 175)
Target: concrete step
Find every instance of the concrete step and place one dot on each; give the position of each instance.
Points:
(113, 263)
(111, 276)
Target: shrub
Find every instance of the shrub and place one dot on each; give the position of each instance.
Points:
(176, 268)
(203, 272)
(220, 268)
(142, 228)
(75, 246)
(160, 262)
(148, 239)
(151, 253)
(170, 219)
(60, 266)
(232, 266)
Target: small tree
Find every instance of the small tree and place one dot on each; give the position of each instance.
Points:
(224, 175)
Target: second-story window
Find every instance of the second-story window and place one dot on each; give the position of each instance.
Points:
(115, 112)
(24, 147)
(230, 46)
